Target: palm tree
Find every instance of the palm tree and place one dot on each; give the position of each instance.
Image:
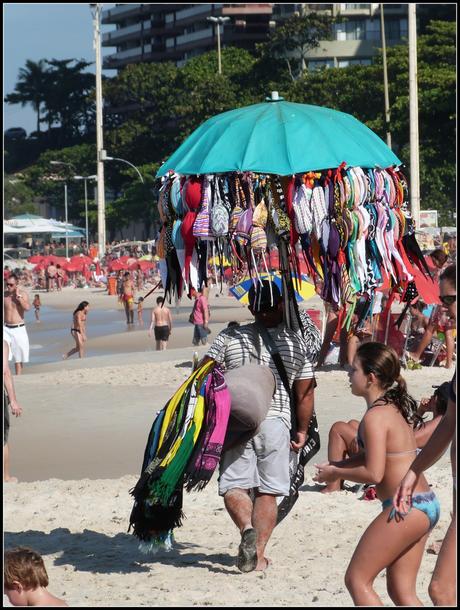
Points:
(31, 87)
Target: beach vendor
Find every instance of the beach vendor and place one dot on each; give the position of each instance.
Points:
(262, 462)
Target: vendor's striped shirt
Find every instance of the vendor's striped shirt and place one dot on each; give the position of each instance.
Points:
(239, 345)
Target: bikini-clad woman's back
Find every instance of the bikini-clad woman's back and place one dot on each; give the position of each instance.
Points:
(401, 450)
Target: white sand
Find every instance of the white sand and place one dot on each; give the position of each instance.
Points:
(80, 443)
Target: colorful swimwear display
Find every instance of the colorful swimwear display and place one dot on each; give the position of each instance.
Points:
(349, 227)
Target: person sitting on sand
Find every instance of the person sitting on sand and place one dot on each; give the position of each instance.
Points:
(343, 441)
(392, 541)
(25, 579)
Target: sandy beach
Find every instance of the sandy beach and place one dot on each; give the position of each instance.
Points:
(77, 450)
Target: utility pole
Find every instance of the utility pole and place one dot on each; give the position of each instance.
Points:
(413, 117)
(97, 10)
(385, 78)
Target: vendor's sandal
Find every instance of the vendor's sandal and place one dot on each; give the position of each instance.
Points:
(247, 551)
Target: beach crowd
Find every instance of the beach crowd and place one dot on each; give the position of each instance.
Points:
(385, 454)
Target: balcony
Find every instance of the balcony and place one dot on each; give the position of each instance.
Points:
(117, 13)
(194, 11)
(194, 36)
(116, 36)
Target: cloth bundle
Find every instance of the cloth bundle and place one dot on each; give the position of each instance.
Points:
(183, 448)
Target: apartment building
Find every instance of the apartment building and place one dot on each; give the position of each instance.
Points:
(178, 32)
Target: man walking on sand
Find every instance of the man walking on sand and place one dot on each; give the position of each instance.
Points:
(9, 402)
(15, 303)
(161, 323)
(262, 463)
(128, 297)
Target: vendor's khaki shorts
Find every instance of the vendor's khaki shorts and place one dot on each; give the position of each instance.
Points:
(262, 462)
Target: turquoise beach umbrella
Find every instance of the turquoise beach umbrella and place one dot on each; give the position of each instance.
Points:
(279, 137)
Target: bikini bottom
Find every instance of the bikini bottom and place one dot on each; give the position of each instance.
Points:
(427, 502)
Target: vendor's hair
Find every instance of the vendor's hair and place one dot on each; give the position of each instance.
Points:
(383, 361)
(81, 306)
(26, 566)
(449, 274)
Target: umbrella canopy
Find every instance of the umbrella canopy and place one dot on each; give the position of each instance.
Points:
(279, 137)
(303, 289)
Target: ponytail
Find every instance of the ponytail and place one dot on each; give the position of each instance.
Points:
(383, 361)
(406, 404)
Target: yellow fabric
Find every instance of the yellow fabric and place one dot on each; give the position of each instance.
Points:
(177, 397)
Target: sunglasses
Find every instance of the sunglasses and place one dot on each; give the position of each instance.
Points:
(11, 284)
(448, 299)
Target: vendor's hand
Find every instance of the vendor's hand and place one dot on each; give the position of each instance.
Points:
(402, 499)
(299, 442)
(16, 409)
(326, 473)
(424, 406)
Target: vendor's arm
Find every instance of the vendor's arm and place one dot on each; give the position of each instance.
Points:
(304, 397)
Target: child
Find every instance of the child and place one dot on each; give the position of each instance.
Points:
(140, 319)
(37, 304)
(25, 579)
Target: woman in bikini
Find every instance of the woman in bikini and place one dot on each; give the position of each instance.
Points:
(78, 331)
(393, 541)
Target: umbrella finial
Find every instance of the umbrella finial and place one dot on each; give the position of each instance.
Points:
(274, 97)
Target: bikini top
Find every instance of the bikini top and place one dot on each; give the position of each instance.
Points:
(360, 440)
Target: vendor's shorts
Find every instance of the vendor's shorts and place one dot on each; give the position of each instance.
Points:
(262, 462)
(18, 342)
(161, 333)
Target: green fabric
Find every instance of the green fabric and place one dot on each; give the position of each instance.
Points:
(163, 488)
(279, 137)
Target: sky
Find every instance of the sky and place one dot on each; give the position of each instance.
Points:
(44, 31)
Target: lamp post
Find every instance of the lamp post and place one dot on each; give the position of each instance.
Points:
(65, 205)
(86, 178)
(385, 77)
(104, 157)
(218, 21)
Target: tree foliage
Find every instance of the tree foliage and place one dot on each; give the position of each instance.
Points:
(150, 109)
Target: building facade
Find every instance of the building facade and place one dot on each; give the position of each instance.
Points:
(178, 32)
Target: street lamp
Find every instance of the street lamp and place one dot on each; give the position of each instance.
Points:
(104, 157)
(65, 205)
(218, 21)
(86, 178)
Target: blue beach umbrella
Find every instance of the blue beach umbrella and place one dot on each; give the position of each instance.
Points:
(279, 137)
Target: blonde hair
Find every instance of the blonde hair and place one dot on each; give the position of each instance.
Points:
(25, 566)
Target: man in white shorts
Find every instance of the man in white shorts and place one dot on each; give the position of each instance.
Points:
(262, 463)
(15, 303)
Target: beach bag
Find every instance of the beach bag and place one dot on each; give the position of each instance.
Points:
(219, 217)
(202, 224)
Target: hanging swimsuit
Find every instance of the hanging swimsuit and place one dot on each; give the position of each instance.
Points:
(425, 501)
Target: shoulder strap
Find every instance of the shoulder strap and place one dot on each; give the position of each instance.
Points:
(274, 353)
